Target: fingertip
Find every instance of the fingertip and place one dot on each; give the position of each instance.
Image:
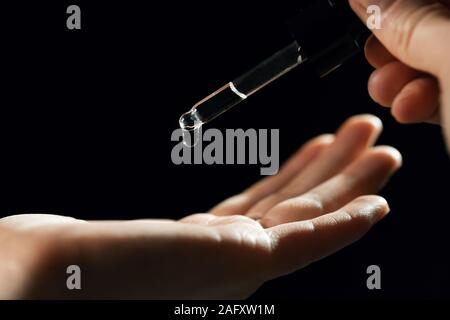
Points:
(365, 124)
(391, 155)
(367, 118)
(369, 48)
(376, 88)
(317, 144)
(417, 102)
(323, 139)
(387, 82)
(376, 54)
(371, 207)
(400, 116)
(402, 109)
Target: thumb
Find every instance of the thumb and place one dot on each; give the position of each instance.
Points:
(417, 32)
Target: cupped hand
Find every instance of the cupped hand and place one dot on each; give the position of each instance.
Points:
(318, 203)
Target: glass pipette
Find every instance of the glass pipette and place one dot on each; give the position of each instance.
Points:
(239, 89)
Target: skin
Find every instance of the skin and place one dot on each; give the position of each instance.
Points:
(410, 54)
(319, 203)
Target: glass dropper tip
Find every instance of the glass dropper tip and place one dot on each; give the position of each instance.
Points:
(190, 121)
(239, 89)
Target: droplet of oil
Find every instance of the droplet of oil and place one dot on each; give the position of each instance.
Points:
(191, 125)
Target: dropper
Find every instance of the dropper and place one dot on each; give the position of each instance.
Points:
(239, 89)
(326, 34)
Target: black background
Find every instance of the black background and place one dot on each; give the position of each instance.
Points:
(86, 118)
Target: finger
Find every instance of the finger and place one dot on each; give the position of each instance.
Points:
(386, 82)
(366, 175)
(298, 244)
(410, 30)
(198, 218)
(376, 54)
(353, 138)
(240, 203)
(206, 219)
(418, 101)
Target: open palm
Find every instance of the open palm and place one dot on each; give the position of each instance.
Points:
(318, 203)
